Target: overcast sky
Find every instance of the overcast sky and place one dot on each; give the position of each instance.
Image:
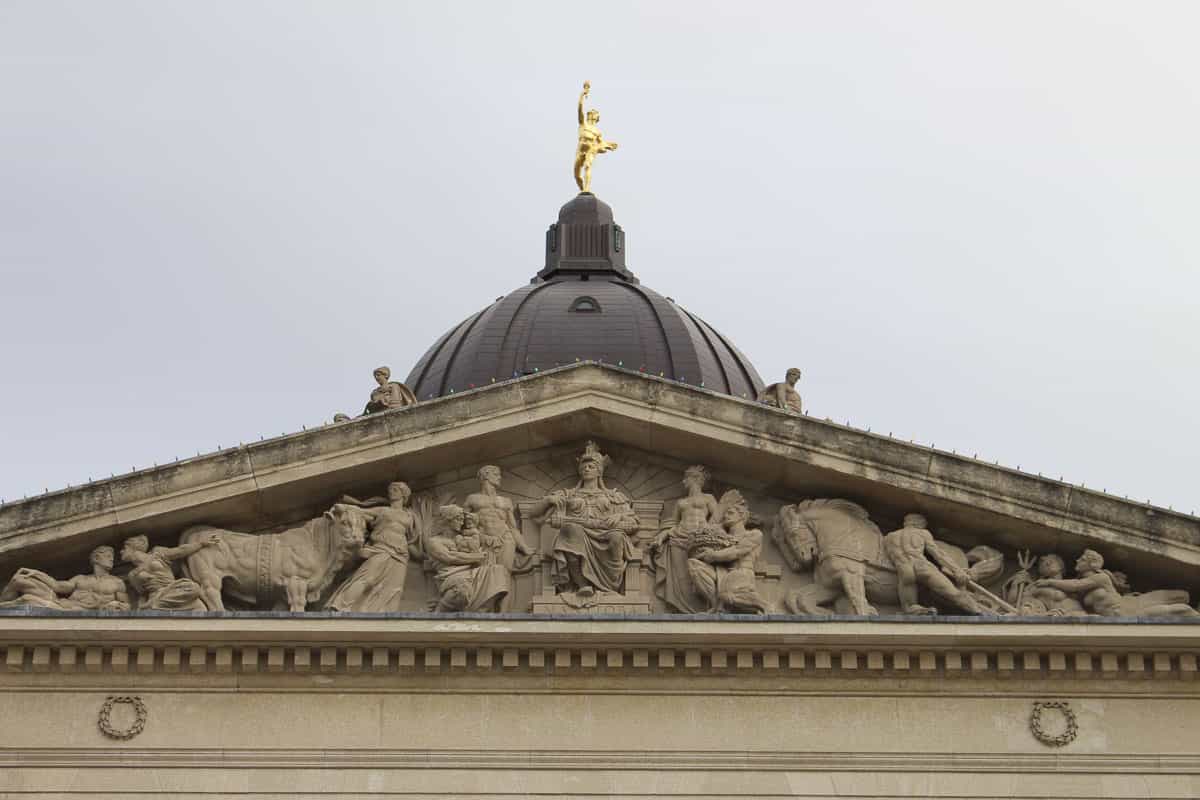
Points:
(972, 224)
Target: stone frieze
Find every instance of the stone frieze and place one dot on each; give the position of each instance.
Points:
(578, 532)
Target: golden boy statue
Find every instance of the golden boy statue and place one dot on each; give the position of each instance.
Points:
(591, 142)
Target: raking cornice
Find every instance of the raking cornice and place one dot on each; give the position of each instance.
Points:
(255, 485)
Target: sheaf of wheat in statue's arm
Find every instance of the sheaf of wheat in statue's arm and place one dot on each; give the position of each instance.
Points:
(591, 142)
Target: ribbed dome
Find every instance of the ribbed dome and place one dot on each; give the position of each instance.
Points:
(584, 305)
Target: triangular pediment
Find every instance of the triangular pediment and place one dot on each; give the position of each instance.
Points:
(535, 428)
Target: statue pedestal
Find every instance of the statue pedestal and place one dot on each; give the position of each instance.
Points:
(599, 603)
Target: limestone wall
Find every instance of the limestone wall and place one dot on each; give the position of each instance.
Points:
(472, 708)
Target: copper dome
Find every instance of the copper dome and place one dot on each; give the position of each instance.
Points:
(583, 305)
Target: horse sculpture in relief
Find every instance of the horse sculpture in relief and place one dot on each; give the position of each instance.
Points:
(851, 557)
(294, 566)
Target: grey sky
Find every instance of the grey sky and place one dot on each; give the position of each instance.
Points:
(973, 224)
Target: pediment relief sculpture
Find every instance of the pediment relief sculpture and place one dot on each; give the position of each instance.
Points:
(292, 568)
(467, 563)
(852, 558)
(694, 512)
(571, 530)
(99, 591)
(395, 535)
(152, 580)
(592, 547)
(855, 563)
(722, 567)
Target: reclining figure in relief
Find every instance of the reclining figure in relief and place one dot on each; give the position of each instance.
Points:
(1036, 597)
(100, 591)
(1099, 591)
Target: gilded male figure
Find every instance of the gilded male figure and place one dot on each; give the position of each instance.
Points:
(591, 143)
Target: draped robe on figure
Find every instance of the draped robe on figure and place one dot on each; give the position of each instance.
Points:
(603, 548)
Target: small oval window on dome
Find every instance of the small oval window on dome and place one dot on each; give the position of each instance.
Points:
(585, 305)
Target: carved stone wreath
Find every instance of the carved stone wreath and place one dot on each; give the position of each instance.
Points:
(1069, 733)
(139, 722)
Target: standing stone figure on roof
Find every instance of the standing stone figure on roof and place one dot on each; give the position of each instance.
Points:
(389, 394)
(378, 583)
(153, 577)
(591, 143)
(594, 522)
(783, 395)
(694, 512)
(100, 591)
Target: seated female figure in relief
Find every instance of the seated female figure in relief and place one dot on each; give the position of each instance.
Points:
(592, 547)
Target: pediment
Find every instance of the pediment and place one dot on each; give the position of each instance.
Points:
(535, 428)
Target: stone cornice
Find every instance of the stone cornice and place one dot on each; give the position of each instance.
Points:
(252, 483)
(860, 648)
(591, 759)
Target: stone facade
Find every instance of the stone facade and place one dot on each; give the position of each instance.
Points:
(535, 589)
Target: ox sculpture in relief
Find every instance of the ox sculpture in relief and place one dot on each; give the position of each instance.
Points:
(295, 566)
(852, 558)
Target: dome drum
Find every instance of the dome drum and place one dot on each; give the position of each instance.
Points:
(585, 240)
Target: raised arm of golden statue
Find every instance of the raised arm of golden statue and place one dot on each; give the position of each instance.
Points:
(591, 142)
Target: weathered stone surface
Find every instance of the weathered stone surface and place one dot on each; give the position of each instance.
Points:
(775, 457)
